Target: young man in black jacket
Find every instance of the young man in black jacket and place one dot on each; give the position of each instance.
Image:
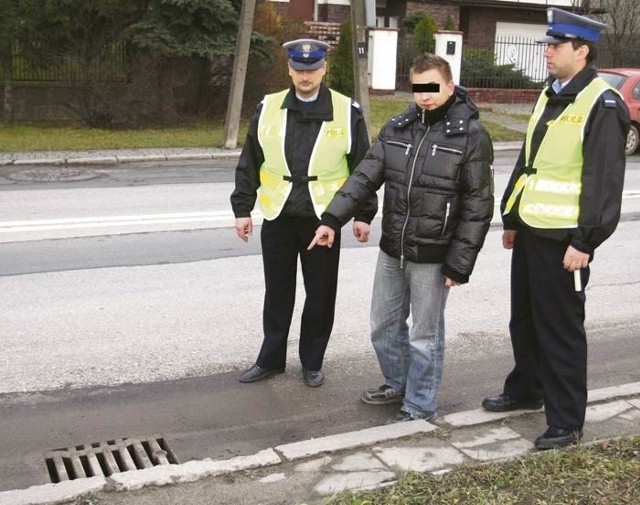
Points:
(435, 163)
(302, 144)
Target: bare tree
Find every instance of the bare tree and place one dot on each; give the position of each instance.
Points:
(623, 26)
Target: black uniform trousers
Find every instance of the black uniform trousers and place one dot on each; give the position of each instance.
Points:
(283, 240)
(547, 331)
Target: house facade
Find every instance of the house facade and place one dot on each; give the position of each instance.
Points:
(481, 21)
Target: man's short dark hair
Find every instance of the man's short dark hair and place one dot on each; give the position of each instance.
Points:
(428, 61)
(593, 50)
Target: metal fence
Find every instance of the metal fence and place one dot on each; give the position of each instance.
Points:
(521, 55)
(512, 62)
(110, 65)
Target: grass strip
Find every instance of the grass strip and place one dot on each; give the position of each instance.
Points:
(601, 474)
(41, 137)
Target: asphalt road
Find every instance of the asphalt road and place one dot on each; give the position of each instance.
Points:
(139, 326)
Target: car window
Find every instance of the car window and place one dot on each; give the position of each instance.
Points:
(635, 93)
(613, 80)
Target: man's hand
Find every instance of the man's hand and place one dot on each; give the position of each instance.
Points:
(361, 231)
(508, 238)
(574, 259)
(244, 227)
(450, 282)
(324, 237)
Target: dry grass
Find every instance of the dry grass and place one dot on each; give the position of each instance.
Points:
(602, 474)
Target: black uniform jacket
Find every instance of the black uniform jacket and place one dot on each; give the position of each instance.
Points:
(304, 121)
(603, 167)
(438, 186)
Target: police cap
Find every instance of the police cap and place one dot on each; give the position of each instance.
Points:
(565, 26)
(306, 54)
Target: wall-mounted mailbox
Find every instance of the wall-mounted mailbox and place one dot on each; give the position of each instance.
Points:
(451, 47)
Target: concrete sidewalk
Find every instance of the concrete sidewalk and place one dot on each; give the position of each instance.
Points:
(310, 471)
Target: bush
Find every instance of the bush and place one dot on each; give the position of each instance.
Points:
(341, 62)
(479, 70)
(423, 36)
(410, 22)
(450, 24)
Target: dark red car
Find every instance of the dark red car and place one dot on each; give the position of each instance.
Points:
(627, 82)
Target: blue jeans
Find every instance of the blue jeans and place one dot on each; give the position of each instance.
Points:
(410, 360)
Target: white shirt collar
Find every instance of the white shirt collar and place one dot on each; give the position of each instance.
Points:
(559, 86)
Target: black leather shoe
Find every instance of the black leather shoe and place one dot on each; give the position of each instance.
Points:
(554, 438)
(312, 378)
(505, 403)
(256, 373)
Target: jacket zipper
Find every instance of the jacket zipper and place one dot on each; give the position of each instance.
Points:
(406, 221)
(401, 144)
(451, 150)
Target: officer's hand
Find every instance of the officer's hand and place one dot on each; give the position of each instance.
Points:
(361, 231)
(574, 259)
(324, 237)
(244, 227)
(450, 282)
(508, 238)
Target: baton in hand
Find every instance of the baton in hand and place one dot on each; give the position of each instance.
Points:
(577, 281)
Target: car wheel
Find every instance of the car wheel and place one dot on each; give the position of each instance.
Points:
(632, 140)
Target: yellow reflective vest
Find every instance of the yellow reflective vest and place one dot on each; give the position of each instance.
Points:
(550, 190)
(328, 167)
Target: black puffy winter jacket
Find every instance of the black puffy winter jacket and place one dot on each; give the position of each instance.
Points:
(438, 194)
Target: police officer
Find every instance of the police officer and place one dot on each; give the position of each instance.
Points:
(562, 201)
(301, 146)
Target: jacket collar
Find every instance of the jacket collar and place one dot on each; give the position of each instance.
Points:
(322, 108)
(455, 121)
(575, 86)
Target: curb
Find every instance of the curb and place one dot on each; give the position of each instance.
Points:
(52, 494)
(88, 159)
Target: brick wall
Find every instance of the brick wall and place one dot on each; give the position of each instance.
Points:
(495, 95)
(331, 13)
(479, 23)
(281, 8)
(327, 32)
(437, 11)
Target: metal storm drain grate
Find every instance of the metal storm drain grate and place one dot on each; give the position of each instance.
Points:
(107, 458)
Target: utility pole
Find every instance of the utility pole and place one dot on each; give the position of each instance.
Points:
(360, 56)
(239, 75)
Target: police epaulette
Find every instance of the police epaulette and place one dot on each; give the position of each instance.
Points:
(609, 101)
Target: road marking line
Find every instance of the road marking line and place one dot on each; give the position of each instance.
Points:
(95, 222)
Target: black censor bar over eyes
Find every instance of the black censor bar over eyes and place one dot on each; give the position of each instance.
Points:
(432, 87)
